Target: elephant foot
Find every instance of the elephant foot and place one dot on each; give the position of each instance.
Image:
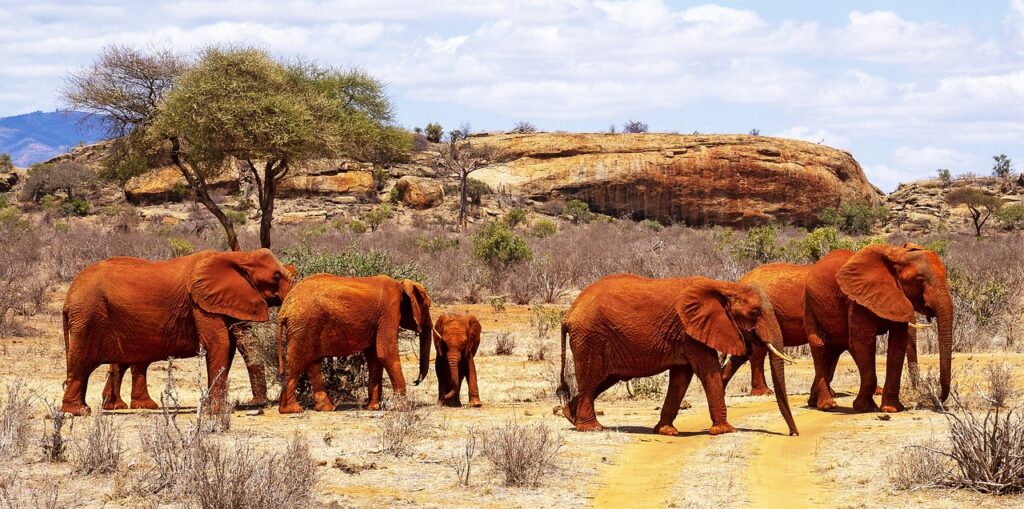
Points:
(569, 412)
(114, 405)
(589, 426)
(666, 429)
(761, 391)
(323, 406)
(826, 403)
(79, 409)
(891, 407)
(291, 408)
(373, 405)
(454, 402)
(144, 404)
(475, 403)
(255, 403)
(865, 405)
(719, 429)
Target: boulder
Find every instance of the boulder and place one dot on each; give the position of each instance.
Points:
(739, 180)
(419, 192)
(166, 184)
(354, 183)
(8, 180)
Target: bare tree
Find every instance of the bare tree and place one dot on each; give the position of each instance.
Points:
(461, 157)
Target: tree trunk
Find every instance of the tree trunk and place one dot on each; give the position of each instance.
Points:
(463, 199)
(267, 211)
(197, 182)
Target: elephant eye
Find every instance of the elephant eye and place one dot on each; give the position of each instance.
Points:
(277, 276)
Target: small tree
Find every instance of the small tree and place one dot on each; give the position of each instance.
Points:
(524, 127)
(377, 216)
(981, 204)
(577, 211)
(1002, 166)
(497, 246)
(945, 177)
(434, 132)
(6, 164)
(66, 176)
(461, 157)
(755, 132)
(634, 126)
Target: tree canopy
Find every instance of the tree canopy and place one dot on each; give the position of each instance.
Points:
(980, 203)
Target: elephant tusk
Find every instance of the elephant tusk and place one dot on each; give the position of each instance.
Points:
(920, 325)
(780, 354)
(435, 331)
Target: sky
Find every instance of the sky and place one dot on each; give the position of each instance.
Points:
(907, 87)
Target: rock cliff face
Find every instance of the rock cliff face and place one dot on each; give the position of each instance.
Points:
(700, 180)
(920, 206)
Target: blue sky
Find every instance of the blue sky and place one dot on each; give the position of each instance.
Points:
(907, 87)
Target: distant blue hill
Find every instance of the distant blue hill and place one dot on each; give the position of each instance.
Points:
(35, 137)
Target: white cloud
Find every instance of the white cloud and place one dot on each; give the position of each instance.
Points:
(821, 136)
(929, 159)
(883, 36)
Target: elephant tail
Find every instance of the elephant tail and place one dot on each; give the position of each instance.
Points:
(563, 387)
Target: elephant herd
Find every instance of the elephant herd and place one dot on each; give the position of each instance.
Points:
(128, 313)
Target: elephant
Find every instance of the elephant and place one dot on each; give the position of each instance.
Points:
(140, 392)
(328, 316)
(843, 301)
(456, 340)
(625, 326)
(130, 311)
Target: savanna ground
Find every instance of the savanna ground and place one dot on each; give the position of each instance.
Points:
(363, 458)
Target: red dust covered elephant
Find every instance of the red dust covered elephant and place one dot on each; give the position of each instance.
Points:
(456, 340)
(330, 316)
(131, 311)
(625, 326)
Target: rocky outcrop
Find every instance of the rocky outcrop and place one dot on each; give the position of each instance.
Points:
(419, 192)
(356, 183)
(166, 184)
(8, 180)
(737, 180)
(920, 207)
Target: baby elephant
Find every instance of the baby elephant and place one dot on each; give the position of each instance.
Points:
(456, 339)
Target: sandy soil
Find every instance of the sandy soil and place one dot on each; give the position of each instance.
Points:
(839, 459)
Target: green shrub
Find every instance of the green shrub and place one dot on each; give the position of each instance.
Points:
(759, 245)
(381, 177)
(820, 241)
(476, 190)
(434, 132)
(377, 216)
(357, 226)
(515, 217)
(237, 216)
(1011, 216)
(498, 303)
(350, 262)
(940, 246)
(180, 247)
(178, 192)
(6, 164)
(394, 195)
(76, 207)
(854, 218)
(544, 228)
(577, 211)
(496, 245)
(12, 221)
(652, 225)
(945, 177)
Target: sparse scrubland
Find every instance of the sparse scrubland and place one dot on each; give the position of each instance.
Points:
(518, 281)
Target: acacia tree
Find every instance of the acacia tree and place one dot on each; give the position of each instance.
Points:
(980, 203)
(238, 105)
(461, 157)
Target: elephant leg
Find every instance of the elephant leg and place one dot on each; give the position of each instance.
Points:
(584, 416)
(896, 352)
(679, 379)
(294, 367)
(112, 390)
(704, 362)
(321, 400)
(831, 359)
(257, 375)
(758, 384)
(444, 377)
(862, 347)
(375, 383)
(474, 389)
(821, 396)
(78, 370)
(140, 390)
(218, 365)
(389, 358)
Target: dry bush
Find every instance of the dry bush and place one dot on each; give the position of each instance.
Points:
(917, 467)
(23, 279)
(538, 351)
(650, 387)
(15, 421)
(523, 454)
(53, 443)
(261, 340)
(14, 494)
(244, 476)
(100, 451)
(402, 425)
(504, 343)
(987, 449)
(925, 392)
(461, 461)
(999, 383)
(345, 378)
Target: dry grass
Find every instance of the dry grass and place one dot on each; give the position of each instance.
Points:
(53, 444)
(402, 425)
(918, 467)
(461, 461)
(15, 421)
(14, 494)
(523, 454)
(999, 383)
(99, 452)
(505, 343)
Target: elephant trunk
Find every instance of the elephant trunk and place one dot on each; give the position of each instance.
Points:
(778, 368)
(454, 357)
(944, 317)
(426, 332)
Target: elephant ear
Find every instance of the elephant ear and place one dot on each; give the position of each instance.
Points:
(701, 308)
(439, 327)
(869, 279)
(293, 271)
(220, 285)
(910, 246)
(474, 328)
(415, 296)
